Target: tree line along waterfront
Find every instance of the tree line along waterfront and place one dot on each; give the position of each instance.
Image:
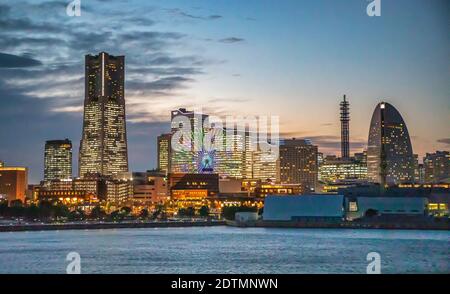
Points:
(49, 212)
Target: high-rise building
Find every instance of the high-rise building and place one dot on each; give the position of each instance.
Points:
(361, 157)
(234, 156)
(298, 163)
(416, 169)
(390, 157)
(320, 158)
(103, 146)
(2, 164)
(437, 166)
(164, 152)
(230, 161)
(13, 183)
(265, 167)
(336, 170)
(345, 129)
(186, 160)
(421, 172)
(58, 160)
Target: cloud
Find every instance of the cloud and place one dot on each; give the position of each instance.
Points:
(68, 109)
(42, 72)
(328, 144)
(229, 100)
(231, 40)
(332, 144)
(163, 84)
(179, 12)
(445, 141)
(15, 61)
(294, 134)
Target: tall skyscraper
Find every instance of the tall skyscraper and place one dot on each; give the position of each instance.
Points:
(103, 146)
(164, 152)
(345, 129)
(298, 163)
(390, 157)
(13, 183)
(2, 164)
(58, 160)
(437, 166)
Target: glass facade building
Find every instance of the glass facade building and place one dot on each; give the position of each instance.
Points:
(58, 160)
(437, 167)
(338, 170)
(103, 147)
(233, 155)
(186, 160)
(298, 163)
(164, 152)
(390, 159)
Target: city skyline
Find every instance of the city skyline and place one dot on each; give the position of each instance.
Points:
(34, 86)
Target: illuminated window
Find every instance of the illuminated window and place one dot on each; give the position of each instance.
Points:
(352, 206)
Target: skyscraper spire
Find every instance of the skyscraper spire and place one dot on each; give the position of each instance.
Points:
(345, 130)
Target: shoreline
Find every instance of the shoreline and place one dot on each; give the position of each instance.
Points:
(343, 225)
(258, 224)
(106, 225)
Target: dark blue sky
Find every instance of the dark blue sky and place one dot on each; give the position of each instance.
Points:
(292, 58)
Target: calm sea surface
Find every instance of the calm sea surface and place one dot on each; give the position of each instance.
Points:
(225, 250)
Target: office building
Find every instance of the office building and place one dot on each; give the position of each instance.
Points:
(118, 192)
(265, 166)
(320, 158)
(164, 152)
(67, 197)
(361, 157)
(298, 163)
(421, 172)
(334, 170)
(58, 160)
(103, 146)
(93, 186)
(149, 188)
(265, 189)
(232, 161)
(234, 154)
(242, 160)
(13, 183)
(390, 158)
(437, 167)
